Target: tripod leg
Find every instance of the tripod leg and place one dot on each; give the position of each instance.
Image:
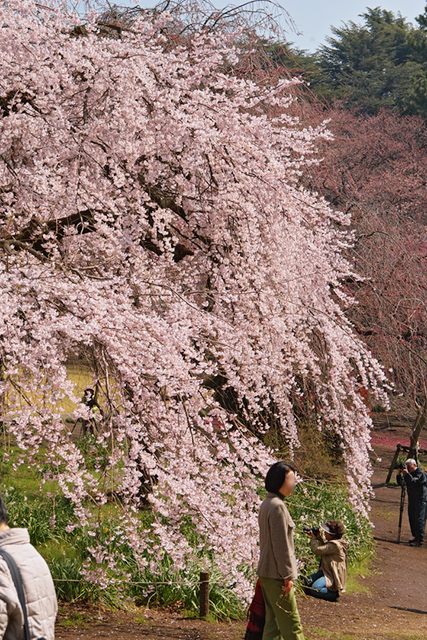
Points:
(84, 428)
(402, 506)
(393, 464)
(75, 425)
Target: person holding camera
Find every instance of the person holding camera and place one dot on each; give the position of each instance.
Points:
(277, 567)
(331, 578)
(415, 481)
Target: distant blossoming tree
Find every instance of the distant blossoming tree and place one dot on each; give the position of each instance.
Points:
(377, 169)
(153, 223)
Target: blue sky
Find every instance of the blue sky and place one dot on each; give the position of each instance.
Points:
(315, 17)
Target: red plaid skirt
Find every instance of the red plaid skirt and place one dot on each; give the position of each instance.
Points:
(256, 615)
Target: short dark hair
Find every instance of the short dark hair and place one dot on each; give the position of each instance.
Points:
(336, 528)
(276, 475)
(3, 511)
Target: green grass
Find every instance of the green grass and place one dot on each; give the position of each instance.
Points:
(25, 478)
(82, 377)
(320, 633)
(355, 585)
(142, 620)
(405, 636)
(316, 634)
(193, 614)
(75, 620)
(356, 574)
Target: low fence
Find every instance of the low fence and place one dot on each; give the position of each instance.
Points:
(203, 590)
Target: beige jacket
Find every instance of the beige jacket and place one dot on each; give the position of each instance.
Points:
(38, 587)
(333, 562)
(276, 540)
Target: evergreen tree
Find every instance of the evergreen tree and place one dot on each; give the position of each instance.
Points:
(381, 63)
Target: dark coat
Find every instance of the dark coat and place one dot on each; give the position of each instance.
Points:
(416, 484)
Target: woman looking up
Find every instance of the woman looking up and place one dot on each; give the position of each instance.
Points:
(277, 568)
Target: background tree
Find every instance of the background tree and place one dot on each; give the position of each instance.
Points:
(375, 65)
(153, 222)
(376, 168)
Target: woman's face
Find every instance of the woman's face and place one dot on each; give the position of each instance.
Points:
(288, 486)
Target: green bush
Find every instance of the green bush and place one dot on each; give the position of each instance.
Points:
(171, 587)
(68, 583)
(314, 502)
(38, 515)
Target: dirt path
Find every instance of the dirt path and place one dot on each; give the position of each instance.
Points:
(396, 606)
(393, 605)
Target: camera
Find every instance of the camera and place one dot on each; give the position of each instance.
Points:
(401, 466)
(313, 530)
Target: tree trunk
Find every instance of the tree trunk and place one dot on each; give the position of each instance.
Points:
(419, 424)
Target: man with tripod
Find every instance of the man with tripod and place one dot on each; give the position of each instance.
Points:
(415, 481)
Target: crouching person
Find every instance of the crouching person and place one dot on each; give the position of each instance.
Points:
(330, 580)
(24, 577)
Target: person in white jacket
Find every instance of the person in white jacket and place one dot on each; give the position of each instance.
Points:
(39, 590)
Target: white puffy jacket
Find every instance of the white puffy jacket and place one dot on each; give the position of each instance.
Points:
(38, 589)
